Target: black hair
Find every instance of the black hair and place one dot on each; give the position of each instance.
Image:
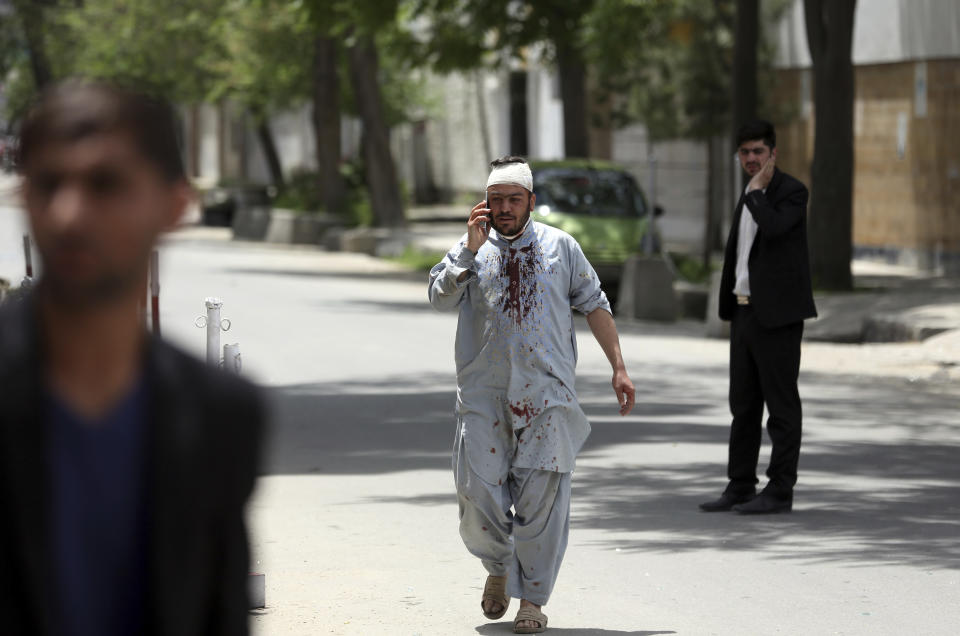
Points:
(757, 129)
(506, 160)
(76, 109)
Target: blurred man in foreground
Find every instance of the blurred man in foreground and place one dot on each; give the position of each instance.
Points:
(124, 464)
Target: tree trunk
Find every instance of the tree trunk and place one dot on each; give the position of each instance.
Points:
(744, 98)
(378, 161)
(269, 147)
(830, 38)
(745, 63)
(32, 23)
(326, 123)
(573, 92)
(716, 202)
(482, 116)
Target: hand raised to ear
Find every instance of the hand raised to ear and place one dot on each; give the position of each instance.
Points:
(762, 179)
(478, 226)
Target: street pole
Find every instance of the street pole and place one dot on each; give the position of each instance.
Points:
(155, 292)
(231, 358)
(28, 260)
(213, 330)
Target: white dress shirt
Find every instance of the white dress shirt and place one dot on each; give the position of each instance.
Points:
(748, 232)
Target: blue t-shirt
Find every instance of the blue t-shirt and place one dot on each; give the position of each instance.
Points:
(98, 517)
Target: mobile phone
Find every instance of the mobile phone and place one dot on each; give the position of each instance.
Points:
(486, 204)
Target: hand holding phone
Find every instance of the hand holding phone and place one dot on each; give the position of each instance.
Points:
(478, 227)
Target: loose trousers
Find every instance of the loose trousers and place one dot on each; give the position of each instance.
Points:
(764, 368)
(525, 544)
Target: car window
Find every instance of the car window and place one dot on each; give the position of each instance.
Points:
(589, 192)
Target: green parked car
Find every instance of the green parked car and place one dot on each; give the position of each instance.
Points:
(600, 205)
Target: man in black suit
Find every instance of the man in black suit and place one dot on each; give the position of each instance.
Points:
(765, 292)
(124, 465)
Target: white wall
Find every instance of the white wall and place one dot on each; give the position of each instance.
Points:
(545, 115)
(208, 167)
(680, 173)
(884, 31)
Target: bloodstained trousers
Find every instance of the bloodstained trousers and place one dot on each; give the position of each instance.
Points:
(525, 544)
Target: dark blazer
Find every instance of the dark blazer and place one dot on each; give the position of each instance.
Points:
(780, 289)
(204, 438)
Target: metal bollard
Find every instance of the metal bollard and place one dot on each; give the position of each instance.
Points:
(231, 358)
(214, 324)
(155, 292)
(28, 260)
(27, 255)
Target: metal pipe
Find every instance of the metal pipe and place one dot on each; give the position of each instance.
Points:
(213, 330)
(651, 176)
(28, 256)
(231, 358)
(155, 292)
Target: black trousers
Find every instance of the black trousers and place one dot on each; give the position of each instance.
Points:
(764, 367)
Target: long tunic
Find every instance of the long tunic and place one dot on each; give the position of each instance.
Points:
(516, 348)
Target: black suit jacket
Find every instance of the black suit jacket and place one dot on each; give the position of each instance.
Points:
(779, 262)
(204, 436)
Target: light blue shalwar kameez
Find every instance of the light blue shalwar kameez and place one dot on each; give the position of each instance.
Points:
(519, 426)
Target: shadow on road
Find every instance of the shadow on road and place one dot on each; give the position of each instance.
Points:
(507, 628)
(399, 274)
(407, 423)
(879, 474)
(879, 483)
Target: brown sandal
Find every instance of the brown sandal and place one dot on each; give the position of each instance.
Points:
(495, 589)
(528, 613)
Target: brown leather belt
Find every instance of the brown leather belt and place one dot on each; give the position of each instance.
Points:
(743, 300)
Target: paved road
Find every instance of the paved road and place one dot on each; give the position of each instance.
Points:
(354, 522)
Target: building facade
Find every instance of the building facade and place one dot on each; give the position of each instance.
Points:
(906, 56)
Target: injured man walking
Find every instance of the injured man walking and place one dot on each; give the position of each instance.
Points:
(515, 283)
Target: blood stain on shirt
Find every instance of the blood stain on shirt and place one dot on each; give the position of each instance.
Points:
(521, 268)
(525, 410)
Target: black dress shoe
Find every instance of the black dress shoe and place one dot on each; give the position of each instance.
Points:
(765, 504)
(726, 502)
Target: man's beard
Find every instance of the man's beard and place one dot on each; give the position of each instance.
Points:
(106, 287)
(104, 290)
(521, 223)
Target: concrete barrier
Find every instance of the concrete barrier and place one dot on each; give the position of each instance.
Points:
(646, 290)
(278, 225)
(715, 328)
(250, 224)
(692, 299)
(366, 240)
(257, 590)
(333, 238)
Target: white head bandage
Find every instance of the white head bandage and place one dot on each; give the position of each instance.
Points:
(512, 174)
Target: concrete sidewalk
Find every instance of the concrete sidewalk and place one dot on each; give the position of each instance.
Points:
(891, 304)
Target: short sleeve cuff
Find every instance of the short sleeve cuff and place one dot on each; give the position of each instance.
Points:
(598, 301)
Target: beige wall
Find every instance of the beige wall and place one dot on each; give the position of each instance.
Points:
(907, 202)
